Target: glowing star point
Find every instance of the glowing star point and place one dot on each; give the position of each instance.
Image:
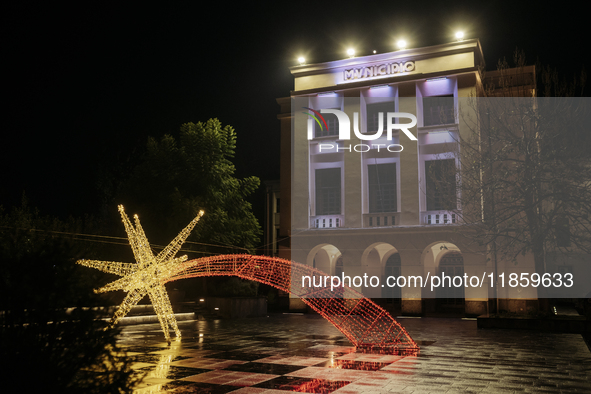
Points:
(148, 275)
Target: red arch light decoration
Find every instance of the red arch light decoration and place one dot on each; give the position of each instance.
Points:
(361, 320)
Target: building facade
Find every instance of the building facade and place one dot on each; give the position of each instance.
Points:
(359, 199)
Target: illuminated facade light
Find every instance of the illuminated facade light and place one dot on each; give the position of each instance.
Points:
(351, 52)
(460, 35)
(301, 60)
(401, 44)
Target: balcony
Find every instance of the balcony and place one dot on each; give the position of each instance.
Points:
(382, 219)
(439, 217)
(327, 221)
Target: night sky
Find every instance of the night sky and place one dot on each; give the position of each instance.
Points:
(85, 85)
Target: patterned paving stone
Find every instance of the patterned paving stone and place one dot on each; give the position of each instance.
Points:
(278, 354)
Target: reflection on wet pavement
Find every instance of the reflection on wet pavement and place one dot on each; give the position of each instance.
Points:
(304, 353)
(302, 385)
(357, 365)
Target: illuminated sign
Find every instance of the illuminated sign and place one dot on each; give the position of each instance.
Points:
(378, 70)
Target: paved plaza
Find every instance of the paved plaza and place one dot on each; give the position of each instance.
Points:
(305, 353)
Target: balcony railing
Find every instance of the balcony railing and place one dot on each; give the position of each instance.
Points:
(439, 217)
(327, 221)
(382, 219)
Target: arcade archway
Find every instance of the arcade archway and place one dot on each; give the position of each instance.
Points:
(444, 259)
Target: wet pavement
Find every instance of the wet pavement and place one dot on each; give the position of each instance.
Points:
(305, 353)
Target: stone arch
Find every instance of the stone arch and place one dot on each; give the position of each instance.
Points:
(377, 253)
(373, 261)
(324, 258)
(432, 253)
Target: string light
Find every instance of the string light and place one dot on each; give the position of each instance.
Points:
(361, 320)
(148, 275)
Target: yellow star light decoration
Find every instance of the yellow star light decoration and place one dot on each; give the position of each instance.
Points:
(148, 275)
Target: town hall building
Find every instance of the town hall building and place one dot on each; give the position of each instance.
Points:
(357, 198)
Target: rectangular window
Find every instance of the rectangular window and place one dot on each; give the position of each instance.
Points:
(373, 115)
(382, 187)
(329, 129)
(328, 191)
(440, 179)
(438, 110)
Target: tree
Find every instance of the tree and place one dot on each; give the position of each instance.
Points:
(525, 166)
(178, 177)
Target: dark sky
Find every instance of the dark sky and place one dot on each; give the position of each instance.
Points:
(87, 84)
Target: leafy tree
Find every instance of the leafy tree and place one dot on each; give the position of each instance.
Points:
(178, 177)
(526, 166)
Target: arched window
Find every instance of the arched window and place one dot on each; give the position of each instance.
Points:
(338, 268)
(392, 268)
(452, 264)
